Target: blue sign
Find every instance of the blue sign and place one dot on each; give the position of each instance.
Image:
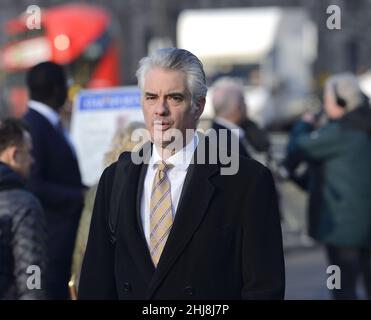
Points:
(109, 99)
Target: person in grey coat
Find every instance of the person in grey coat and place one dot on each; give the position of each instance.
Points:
(339, 180)
(22, 224)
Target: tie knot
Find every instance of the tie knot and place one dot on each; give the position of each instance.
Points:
(163, 166)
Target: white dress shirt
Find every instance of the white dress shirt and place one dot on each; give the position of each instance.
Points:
(230, 125)
(51, 115)
(176, 175)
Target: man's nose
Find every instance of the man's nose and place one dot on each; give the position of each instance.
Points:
(162, 107)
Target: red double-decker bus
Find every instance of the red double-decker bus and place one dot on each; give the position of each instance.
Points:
(80, 37)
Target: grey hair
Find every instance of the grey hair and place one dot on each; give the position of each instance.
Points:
(347, 87)
(225, 90)
(178, 60)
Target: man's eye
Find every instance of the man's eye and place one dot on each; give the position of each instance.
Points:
(176, 98)
(150, 98)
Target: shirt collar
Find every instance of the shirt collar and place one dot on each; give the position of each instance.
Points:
(230, 125)
(181, 159)
(51, 115)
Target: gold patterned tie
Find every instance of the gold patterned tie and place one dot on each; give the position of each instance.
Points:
(161, 211)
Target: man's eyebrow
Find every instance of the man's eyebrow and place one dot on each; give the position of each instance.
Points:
(176, 93)
(170, 94)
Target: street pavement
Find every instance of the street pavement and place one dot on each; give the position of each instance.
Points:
(306, 275)
(305, 260)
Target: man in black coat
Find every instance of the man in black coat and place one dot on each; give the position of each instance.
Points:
(55, 177)
(171, 221)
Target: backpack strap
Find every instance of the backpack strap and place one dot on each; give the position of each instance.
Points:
(120, 174)
(116, 192)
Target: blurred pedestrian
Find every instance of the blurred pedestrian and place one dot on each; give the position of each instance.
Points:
(22, 220)
(55, 176)
(122, 141)
(230, 109)
(339, 179)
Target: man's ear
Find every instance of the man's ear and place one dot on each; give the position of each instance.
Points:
(60, 95)
(9, 155)
(200, 108)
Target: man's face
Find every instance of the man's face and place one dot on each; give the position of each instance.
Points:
(60, 94)
(166, 104)
(23, 160)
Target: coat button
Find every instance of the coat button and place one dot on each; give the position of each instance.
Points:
(188, 291)
(127, 287)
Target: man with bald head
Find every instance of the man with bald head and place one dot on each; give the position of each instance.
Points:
(55, 176)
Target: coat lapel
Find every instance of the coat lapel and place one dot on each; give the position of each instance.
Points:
(131, 221)
(142, 176)
(196, 194)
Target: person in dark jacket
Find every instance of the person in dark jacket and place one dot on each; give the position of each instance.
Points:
(55, 177)
(22, 221)
(339, 180)
(256, 136)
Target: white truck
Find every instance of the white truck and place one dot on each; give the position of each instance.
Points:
(270, 49)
